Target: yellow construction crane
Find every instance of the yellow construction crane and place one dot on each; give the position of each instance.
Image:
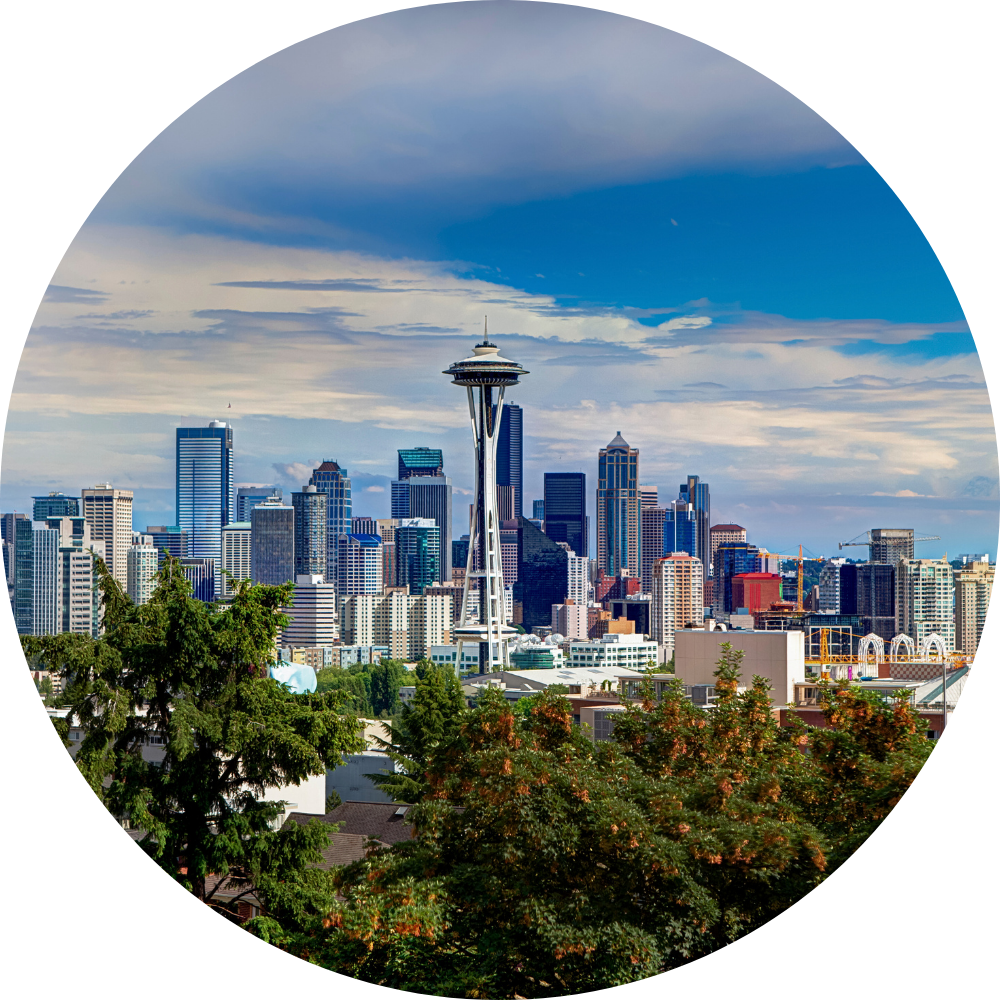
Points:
(800, 559)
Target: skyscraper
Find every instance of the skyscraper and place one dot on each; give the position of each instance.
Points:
(889, 545)
(648, 497)
(247, 497)
(272, 543)
(310, 532)
(680, 529)
(55, 505)
(79, 601)
(236, 550)
(696, 493)
(206, 498)
(142, 564)
(565, 506)
(313, 613)
(869, 591)
(538, 510)
(510, 455)
(430, 497)
(8, 524)
(925, 600)
(731, 559)
(677, 598)
(359, 565)
(542, 574)
(653, 520)
(109, 513)
(618, 527)
(724, 534)
(24, 577)
(973, 584)
(418, 554)
(330, 479)
(168, 539)
(420, 462)
(829, 585)
(45, 583)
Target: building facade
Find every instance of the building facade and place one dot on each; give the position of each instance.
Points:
(109, 513)
(756, 591)
(330, 479)
(889, 545)
(272, 543)
(577, 579)
(247, 497)
(925, 600)
(570, 619)
(565, 506)
(407, 624)
(616, 650)
(419, 462)
(142, 564)
(677, 598)
(418, 554)
(868, 590)
(168, 539)
(653, 520)
(618, 526)
(430, 499)
(236, 560)
(542, 575)
(510, 461)
(54, 505)
(697, 494)
(202, 575)
(312, 613)
(973, 585)
(359, 565)
(829, 585)
(731, 559)
(310, 531)
(206, 495)
(724, 534)
(680, 529)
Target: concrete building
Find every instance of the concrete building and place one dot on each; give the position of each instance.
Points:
(348, 656)
(570, 619)
(330, 479)
(408, 624)
(313, 613)
(54, 505)
(676, 598)
(448, 656)
(777, 656)
(272, 543)
(359, 565)
(142, 563)
(236, 549)
(973, 585)
(76, 581)
(868, 590)
(724, 534)
(109, 513)
(829, 585)
(615, 651)
(310, 532)
(618, 526)
(206, 495)
(925, 599)
(889, 545)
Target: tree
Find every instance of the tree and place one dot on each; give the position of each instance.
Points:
(195, 677)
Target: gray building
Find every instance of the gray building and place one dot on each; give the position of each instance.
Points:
(889, 545)
(55, 505)
(272, 543)
(429, 498)
(247, 497)
(332, 480)
(310, 532)
(168, 539)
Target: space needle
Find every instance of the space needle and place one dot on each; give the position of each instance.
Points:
(490, 374)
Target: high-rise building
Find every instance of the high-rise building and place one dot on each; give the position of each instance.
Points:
(570, 619)
(55, 505)
(7, 541)
(168, 539)
(272, 543)
(648, 497)
(542, 574)
(400, 499)
(829, 585)
(676, 598)
(973, 584)
(868, 590)
(142, 565)
(889, 545)
(24, 577)
(420, 462)
(310, 531)
(408, 624)
(79, 600)
(618, 526)
(364, 526)
(313, 613)
(330, 479)
(510, 452)
(460, 553)
(236, 549)
(109, 513)
(201, 574)
(577, 579)
(359, 565)
(385, 528)
(724, 534)
(731, 559)
(653, 520)
(418, 554)
(206, 496)
(247, 497)
(538, 510)
(697, 493)
(505, 502)
(680, 528)
(566, 505)
(430, 498)
(925, 600)
(45, 582)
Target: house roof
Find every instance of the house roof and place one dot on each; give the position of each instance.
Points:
(385, 821)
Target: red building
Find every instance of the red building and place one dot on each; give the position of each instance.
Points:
(756, 591)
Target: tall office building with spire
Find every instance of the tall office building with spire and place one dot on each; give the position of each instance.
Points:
(206, 495)
(618, 528)
(332, 480)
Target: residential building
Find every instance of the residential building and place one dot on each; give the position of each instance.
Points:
(330, 479)
(420, 462)
(272, 543)
(680, 529)
(142, 564)
(168, 539)
(310, 531)
(430, 499)
(359, 565)
(724, 534)
(653, 520)
(676, 598)
(418, 554)
(509, 462)
(247, 497)
(697, 494)
(570, 619)
(618, 525)
(346, 656)
(202, 575)
(54, 505)
(24, 576)
(312, 613)
(542, 574)
(76, 579)
(629, 652)
(385, 528)
(577, 578)
(973, 585)
(206, 496)
(109, 513)
(408, 624)
(889, 545)
(756, 591)
(36, 603)
(868, 590)
(829, 585)
(925, 600)
(236, 555)
(364, 525)
(565, 507)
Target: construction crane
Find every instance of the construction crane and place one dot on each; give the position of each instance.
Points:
(800, 559)
(866, 539)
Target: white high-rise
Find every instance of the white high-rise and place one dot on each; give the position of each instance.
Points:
(108, 512)
(973, 585)
(45, 580)
(313, 613)
(142, 565)
(925, 600)
(235, 555)
(577, 579)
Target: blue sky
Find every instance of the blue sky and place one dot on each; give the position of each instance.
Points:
(673, 246)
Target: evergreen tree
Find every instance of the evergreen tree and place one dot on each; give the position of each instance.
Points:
(194, 677)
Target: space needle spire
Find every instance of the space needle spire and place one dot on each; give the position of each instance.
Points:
(485, 376)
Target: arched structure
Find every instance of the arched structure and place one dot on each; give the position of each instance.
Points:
(874, 643)
(933, 641)
(902, 640)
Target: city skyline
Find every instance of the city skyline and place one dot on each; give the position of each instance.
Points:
(780, 325)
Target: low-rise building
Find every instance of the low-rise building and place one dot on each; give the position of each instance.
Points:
(618, 651)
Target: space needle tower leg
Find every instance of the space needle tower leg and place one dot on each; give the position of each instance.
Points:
(485, 376)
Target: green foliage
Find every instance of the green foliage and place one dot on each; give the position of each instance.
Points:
(333, 800)
(194, 677)
(371, 689)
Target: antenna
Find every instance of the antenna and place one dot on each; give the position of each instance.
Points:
(485, 337)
